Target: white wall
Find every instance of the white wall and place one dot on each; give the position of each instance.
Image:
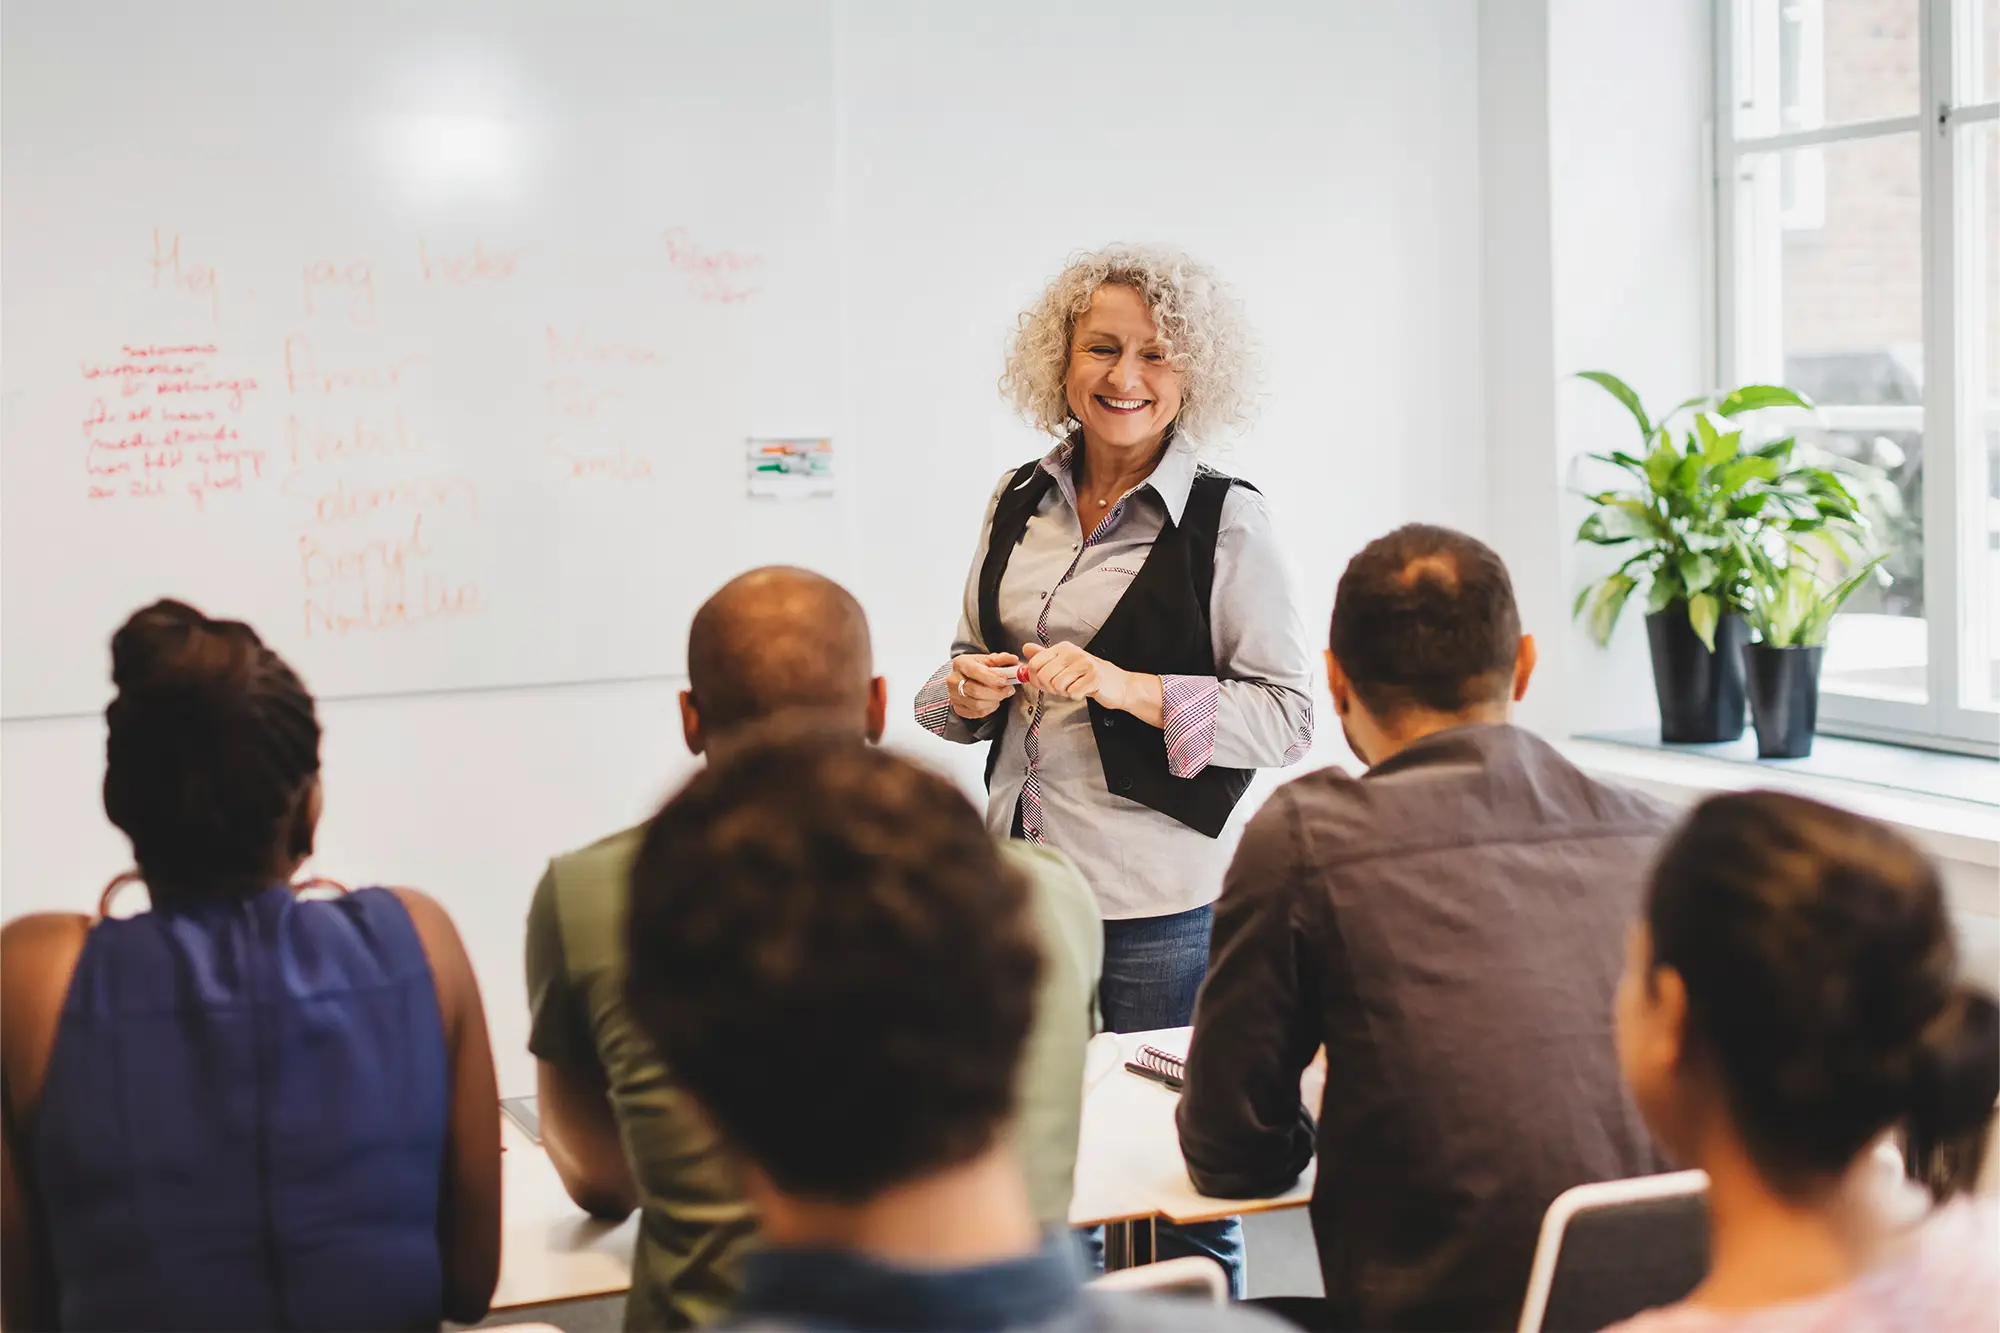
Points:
(1595, 228)
(1324, 155)
(1629, 95)
(1517, 334)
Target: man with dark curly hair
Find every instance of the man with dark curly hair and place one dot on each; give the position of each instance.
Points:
(838, 963)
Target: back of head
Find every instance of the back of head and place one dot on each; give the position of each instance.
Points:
(1822, 982)
(1425, 617)
(212, 749)
(829, 951)
(776, 639)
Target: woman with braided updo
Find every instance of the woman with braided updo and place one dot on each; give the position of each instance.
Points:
(1791, 996)
(240, 1109)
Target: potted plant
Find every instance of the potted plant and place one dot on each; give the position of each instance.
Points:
(1790, 609)
(1694, 515)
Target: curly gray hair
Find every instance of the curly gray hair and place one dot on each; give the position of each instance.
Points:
(1199, 319)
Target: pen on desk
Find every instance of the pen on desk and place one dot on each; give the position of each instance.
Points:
(1157, 1075)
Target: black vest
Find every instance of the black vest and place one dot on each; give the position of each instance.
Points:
(1160, 627)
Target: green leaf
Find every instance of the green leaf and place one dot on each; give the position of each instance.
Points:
(1722, 448)
(1706, 429)
(1661, 595)
(1754, 397)
(1738, 472)
(1748, 506)
(1703, 612)
(1816, 623)
(1618, 389)
(1684, 405)
(1604, 608)
(1619, 458)
(1622, 519)
(1697, 571)
(1779, 449)
(1660, 464)
(1688, 471)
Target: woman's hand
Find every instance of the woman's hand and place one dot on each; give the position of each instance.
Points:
(1067, 670)
(979, 683)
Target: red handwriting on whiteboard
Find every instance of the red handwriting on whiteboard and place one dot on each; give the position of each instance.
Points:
(323, 278)
(602, 463)
(309, 443)
(306, 374)
(571, 397)
(378, 583)
(194, 280)
(463, 270)
(171, 428)
(343, 502)
(579, 348)
(223, 471)
(397, 602)
(724, 276)
(323, 561)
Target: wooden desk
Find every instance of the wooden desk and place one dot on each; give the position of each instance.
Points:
(1128, 1157)
(551, 1250)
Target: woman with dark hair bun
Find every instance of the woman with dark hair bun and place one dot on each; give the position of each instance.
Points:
(1791, 997)
(240, 1109)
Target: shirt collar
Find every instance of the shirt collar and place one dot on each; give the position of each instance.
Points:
(1172, 480)
(834, 1287)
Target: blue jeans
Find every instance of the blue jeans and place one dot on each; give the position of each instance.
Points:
(1153, 967)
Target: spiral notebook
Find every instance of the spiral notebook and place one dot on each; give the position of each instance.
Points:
(1160, 1066)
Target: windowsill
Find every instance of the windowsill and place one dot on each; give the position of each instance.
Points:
(1899, 768)
(1948, 804)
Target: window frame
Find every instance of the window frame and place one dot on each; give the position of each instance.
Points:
(1952, 514)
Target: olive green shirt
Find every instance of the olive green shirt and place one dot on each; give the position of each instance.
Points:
(695, 1225)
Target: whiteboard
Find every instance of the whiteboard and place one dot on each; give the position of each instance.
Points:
(427, 338)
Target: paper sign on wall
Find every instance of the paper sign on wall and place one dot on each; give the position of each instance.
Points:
(790, 469)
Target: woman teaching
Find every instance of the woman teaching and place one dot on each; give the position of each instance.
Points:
(1129, 643)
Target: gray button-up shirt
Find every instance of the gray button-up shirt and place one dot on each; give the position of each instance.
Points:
(1061, 584)
(1451, 927)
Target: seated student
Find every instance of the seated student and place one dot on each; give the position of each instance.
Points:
(1791, 992)
(1449, 926)
(772, 639)
(840, 965)
(240, 1109)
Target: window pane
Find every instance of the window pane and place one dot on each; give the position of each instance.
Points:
(1979, 20)
(1833, 307)
(1803, 64)
(1979, 455)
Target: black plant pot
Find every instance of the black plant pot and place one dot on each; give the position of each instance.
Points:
(1784, 698)
(1700, 692)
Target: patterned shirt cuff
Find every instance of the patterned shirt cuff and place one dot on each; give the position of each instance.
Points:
(934, 703)
(1187, 715)
(1302, 744)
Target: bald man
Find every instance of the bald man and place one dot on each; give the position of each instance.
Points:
(621, 1132)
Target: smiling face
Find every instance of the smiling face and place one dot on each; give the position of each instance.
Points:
(1120, 383)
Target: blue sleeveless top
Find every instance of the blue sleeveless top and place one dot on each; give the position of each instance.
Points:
(243, 1121)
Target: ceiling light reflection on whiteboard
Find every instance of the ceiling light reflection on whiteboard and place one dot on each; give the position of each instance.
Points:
(454, 154)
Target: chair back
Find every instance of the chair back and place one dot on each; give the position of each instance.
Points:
(1610, 1250)
(1194, 1277)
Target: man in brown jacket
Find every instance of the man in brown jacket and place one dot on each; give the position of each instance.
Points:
(1450, 927)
